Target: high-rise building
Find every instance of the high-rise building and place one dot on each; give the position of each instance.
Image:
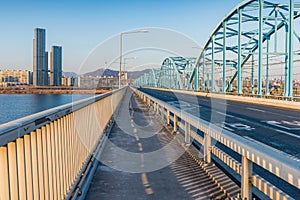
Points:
(56, 66)
(40, 58)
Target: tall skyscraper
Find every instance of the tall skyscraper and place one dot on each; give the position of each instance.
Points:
(56, 65)
(40, 58)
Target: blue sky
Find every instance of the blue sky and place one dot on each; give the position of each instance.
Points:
(79, 26)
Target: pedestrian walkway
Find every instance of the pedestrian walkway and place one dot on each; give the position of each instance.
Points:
(138, 164)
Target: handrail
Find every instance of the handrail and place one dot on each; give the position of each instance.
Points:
(17, 128)
(43, 155)
(279, 164)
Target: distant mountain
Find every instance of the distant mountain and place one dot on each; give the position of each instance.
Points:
(102, 72)
(109, 72)
(69, 74)
(137, 74)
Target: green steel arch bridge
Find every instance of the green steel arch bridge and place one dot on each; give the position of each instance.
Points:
(256, 39)
(109, 146)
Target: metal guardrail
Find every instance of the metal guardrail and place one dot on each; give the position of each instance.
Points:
(280, 103)
(279, 164)
(42, 155)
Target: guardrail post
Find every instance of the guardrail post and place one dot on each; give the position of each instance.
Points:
(168, 117)
(187, 133)
(207, 148)
(4, 183)
(246, 185)
(175, 124)
(157, 109)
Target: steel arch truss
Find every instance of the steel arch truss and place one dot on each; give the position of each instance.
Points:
(148, 79)
(175, 73)
(248, 31)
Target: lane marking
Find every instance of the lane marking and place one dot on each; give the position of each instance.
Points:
(294, 123)
(225, 114)
(223, 103)
(290, 134)
(278, 124)
(239, 126)
(227, 128)
(254, 109)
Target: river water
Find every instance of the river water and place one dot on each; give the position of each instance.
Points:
(15, 106)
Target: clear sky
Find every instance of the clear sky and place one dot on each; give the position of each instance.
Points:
(79, 26)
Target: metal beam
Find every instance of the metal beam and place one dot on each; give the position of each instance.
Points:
(239, 66)
(290, 48)
(213, 64)
(260, 45)
(267, 68)
(224, 57)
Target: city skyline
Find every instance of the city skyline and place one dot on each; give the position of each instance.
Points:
(96, 22)
(82, 35)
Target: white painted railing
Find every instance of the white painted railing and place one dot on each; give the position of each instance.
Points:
(43, 156)
(279, 164)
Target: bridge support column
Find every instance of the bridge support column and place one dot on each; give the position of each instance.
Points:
(207, 148)
(175, 123)
(246, 185)
(168, 117)
(187, 133)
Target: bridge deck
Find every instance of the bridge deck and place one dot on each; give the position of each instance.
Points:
(150, 166)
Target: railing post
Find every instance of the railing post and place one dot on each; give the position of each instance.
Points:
(21, 168)
(168, 117)
(187, 133)
(175, 124)
(246, 185)
(207, 148)
(4, 183)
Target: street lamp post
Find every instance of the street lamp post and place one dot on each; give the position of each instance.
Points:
(124, 69)
(121, 37)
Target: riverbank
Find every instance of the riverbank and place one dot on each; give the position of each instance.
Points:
(49, 90)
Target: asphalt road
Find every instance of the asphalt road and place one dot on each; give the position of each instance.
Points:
(277, 129)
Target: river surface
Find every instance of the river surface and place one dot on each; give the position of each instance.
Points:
(15, 106)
